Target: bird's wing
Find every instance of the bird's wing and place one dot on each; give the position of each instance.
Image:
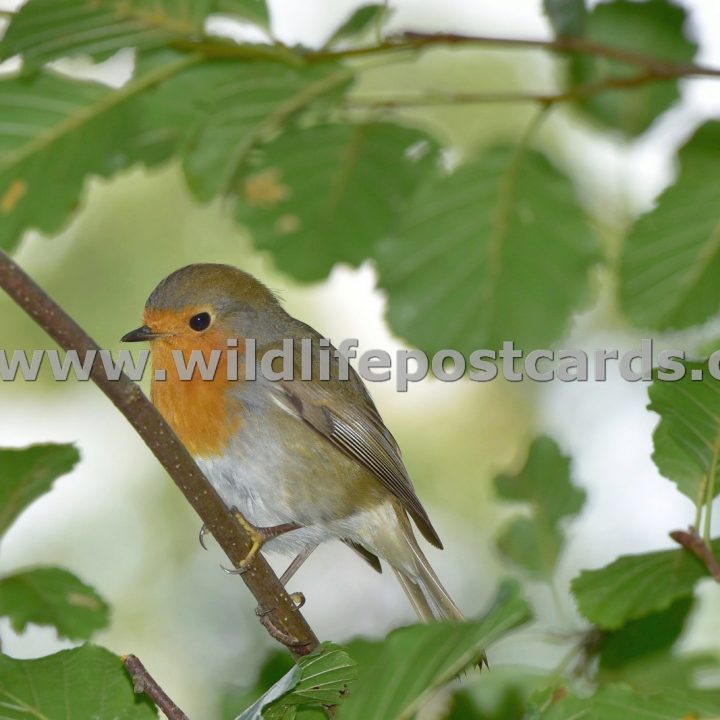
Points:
(347, 417)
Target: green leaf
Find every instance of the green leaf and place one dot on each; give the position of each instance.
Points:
(238, 697)
(511, 706)
(620, 702)
(671, 256)
(479, 256)
(359, 21)
(687, 438)
(686, 674)
(398, 675)
(56, 131)
(544, 482)
(646, 636)
(44, 30)
(530, 544)
(28, 473)
(319, 679)
(328, 193)
(222, 110)
(567, 17)
(86, 682)
(254, 10)
(654, 28)
(534, 542)
(51, 596)
(633, 586)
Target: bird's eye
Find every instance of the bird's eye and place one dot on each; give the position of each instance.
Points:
(200, 322)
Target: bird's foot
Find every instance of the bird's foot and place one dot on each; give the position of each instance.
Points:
(277, 633)
(258, 537)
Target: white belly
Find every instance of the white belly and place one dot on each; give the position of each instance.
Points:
(263, 502)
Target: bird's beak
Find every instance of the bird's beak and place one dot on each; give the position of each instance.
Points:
(140, 335)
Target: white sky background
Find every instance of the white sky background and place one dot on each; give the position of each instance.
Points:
(605, 426)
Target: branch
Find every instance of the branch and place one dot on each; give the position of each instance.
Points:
(695, 544)
(147, 421)
(143, 682)
(412, 41)
(460, 98)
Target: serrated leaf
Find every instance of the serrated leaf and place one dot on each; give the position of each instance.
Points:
(51, 596)
(28, 473)
(223, 110)
(479, 256)
(322, 678)
(535, 542)
(78, 684)
(397, 675)
(634, 586)
(361, 19)
(671, 256)
(688, 674)
(567, 17)
(56, 131)
(620, 702)
(654, 28)
(328, 193)
(544, 482)
(646, 636)
(687, 438)
(44, 30)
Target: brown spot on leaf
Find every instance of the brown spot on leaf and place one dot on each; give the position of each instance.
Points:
(12, 196)
(287, 224)
(264, 189)
(558, 694)
(84, 601)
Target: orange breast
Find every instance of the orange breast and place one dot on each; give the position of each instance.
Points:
(201, 412)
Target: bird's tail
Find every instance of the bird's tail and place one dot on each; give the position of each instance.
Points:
(426, 593)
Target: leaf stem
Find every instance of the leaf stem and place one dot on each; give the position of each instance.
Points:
(172, 454)
(143, 682)
(710, 492)
(504, 208)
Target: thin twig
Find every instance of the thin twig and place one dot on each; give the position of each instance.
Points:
(144, 682)
(412, 41)
(171, 453)
(460, 98)
(692, 541)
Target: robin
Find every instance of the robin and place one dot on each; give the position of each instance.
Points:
(298, 461)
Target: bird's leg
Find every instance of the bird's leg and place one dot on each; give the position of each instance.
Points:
(259, 536)
(294, 566)
(297, 597)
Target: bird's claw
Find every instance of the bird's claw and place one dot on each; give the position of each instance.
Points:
(201, 536)
(235, 571)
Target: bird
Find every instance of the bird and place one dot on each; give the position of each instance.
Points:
(298, 461)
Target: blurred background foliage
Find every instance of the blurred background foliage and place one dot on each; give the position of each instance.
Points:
(473, 206)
